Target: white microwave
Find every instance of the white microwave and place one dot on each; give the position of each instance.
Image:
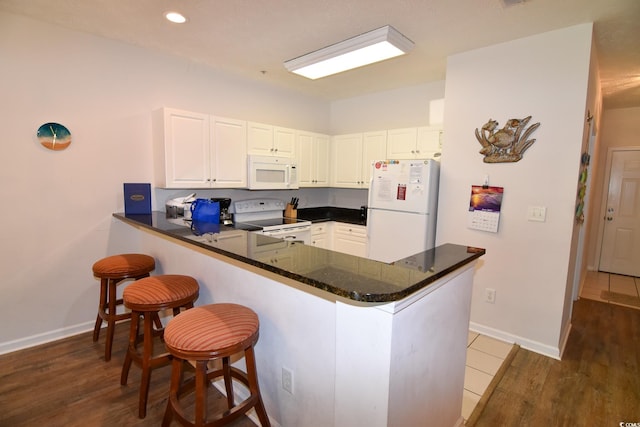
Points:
(272, 173)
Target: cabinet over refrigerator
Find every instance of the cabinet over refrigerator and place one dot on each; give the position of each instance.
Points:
(401, 214)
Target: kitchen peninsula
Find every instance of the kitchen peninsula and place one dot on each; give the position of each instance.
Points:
(368, 343)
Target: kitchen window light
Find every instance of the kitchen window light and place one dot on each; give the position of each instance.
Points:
(374, 46)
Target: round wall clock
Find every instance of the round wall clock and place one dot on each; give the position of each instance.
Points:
(54, 136)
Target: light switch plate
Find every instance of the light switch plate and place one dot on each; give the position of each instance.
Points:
(537, 213)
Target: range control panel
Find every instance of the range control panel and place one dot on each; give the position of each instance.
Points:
(258, 205)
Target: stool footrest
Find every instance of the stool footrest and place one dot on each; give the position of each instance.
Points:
(221, 418)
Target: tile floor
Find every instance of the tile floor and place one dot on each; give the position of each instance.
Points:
(484, 357)
(597, 281)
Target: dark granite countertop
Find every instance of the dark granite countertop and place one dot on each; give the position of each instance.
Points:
(348, 276)
(329, 213)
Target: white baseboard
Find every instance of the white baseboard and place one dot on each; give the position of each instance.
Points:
(537, 347)
(22, 343)
(565, 338)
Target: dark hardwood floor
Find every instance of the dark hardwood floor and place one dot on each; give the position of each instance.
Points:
(597, 383)
(67, 382)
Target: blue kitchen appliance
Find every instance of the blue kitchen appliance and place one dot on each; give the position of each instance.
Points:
(205, 210)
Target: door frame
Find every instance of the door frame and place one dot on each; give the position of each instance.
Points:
(578, 271)
(605, 196)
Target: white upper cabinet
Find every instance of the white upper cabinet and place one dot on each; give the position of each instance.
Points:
(347, 160)
(181, 149)
(228, 153)
(352, 155)
(401, 143)
(429, 142)
(374, 147)
(413, 143)
(194, 150)
(268, 140)
(284, 141)
(313, 159)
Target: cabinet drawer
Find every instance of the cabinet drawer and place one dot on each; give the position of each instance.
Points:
(319, 229)
(355, 231)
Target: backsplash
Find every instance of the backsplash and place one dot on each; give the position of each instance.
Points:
(309, 197)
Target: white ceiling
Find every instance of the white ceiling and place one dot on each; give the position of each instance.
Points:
(254, 37)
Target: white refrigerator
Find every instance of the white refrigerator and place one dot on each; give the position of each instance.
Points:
(402, 206)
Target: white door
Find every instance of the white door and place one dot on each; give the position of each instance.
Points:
(620, 251)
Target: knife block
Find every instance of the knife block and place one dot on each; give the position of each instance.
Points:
(290, 212)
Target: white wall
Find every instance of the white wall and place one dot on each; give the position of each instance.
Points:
(545, 76)
(59, 222)
(400, 108)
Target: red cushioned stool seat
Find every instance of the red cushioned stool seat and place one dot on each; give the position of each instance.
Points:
(147, 298)
(204, 334)
(112, 271)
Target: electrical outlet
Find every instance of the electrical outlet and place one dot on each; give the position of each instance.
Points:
(287, 380)
(490, 295)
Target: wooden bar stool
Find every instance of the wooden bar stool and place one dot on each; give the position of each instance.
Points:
(112, 271)
(146, 298)
(205, 334)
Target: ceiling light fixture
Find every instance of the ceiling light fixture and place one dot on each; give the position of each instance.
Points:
(374, 46)
(175, 17)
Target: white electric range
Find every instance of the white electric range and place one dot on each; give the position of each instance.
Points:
(266, 216)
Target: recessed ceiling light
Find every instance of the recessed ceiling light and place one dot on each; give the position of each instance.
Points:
(175, 17)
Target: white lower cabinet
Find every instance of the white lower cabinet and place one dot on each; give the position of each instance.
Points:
(349, 239)
(321, 235)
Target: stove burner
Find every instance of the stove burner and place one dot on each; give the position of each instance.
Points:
(265, 215)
